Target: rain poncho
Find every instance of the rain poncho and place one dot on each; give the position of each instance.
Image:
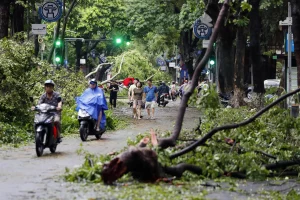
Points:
(93, 101)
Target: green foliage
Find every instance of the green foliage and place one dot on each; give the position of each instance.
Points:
(190, 11)
(138, 66)
(205, 99)
(11, 134)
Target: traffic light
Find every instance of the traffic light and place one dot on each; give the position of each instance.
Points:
(58, 51)
(128, 40)
(212, 61)
(118, 40)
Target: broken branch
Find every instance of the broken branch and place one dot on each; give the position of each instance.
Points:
(171, 141)
(232, 126)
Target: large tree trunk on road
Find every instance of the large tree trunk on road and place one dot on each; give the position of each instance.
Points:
(255, 54)
(239, 93)
(4, 18)
(295, 4)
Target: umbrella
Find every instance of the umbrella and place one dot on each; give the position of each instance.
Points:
(127, 80)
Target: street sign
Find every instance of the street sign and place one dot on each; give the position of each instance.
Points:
(202, 27)
(51, 11)
(292, 45)
(171, 64)
(160, 61)
(163, 68)
(205, 43)
(82, 61)
(287, 22)
(38, 29)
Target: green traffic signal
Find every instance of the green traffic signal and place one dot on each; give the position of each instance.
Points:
(57, 59)
(118, 40)
(212, 62)
(58, 43)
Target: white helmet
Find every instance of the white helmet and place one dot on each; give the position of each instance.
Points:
(49, 82)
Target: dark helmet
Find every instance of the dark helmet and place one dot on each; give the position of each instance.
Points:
(93, 81)
(49, 82)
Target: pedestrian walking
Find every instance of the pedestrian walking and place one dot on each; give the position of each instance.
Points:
(113, 88)
(137, 97)
(150, 96)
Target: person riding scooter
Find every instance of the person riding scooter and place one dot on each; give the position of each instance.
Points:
(94, 103)
(53, 98)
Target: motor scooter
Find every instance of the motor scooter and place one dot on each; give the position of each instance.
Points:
(88, 126)
(45, 129)
(163, 99)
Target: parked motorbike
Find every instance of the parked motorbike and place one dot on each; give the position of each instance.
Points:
(163, 99)
(45, 129)
(88, 126)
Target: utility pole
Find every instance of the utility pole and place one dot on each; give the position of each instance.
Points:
(289, 22)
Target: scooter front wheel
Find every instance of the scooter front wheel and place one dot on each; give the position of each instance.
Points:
(39, 147)
(83, 133)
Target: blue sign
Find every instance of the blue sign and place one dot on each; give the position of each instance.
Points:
(160, 62)
(202, 30)
(291, 44)
(51, 11)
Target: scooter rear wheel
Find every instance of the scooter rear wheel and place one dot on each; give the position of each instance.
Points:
(83, 133)
(53, 148)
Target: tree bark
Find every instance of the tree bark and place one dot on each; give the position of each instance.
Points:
(225, 58)
(239, 92)
(186, 48)
(4, 18)
(171, 141)
(295, 5)
(255, 54)
(17, 21)
(65, 26)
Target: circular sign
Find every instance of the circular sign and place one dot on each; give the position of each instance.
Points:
(202, 30)
(50, 11)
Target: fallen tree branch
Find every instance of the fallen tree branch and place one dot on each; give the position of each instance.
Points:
(171, 141)
(98, 68)
(232, 126)
(103, 82)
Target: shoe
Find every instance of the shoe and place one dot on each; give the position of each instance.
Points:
(152, 118)
(139, 118)
(97, 129)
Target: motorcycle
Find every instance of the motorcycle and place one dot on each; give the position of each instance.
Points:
(45, 129)
(163, 99)
(88, 126)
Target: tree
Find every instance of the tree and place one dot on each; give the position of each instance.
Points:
(4, 18)
(296, 32)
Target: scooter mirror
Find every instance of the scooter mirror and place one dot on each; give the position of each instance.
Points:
(31, 99)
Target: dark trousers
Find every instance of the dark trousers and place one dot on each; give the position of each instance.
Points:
(113, 100)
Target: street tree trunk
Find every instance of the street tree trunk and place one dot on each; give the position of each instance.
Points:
(255, 54)
(4, 18)
(17, 21)
(225, 58)
(295, 4)
(187, 46)
(239, 93)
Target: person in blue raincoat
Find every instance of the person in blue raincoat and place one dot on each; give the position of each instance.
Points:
(94, 102)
